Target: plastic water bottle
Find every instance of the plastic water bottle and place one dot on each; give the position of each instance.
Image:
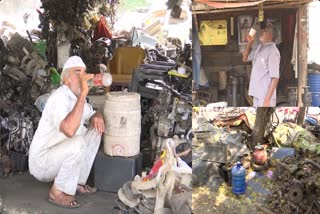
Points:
(101, 79)
(238, 174)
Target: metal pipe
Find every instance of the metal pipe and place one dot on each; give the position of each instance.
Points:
(234, 83)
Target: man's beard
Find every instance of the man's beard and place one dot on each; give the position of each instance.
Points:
(76, 90)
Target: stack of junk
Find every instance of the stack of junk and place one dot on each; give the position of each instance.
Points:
(166, 189)
(25, 80)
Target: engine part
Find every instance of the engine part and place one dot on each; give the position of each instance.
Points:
(15, 73)
(5, 164)
(166, 101)
(296, 179)
(295, 194)
(20, 133)
(102, 45)
(165, 126)
(16, 45)
(146, 207)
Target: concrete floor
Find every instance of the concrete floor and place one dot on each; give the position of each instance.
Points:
(23, 194)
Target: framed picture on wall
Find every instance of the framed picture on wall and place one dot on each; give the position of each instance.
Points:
(213, 32)
(244, 24)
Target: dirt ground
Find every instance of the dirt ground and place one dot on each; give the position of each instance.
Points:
(211, 194)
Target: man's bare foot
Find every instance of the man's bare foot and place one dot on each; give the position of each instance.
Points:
(61, 199)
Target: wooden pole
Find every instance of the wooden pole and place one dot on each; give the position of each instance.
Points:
(302, 24)
(260, 124)
(301, 115)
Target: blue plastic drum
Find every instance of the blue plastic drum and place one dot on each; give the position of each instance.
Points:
(314, 83)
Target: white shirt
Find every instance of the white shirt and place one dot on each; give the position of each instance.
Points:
(265, 65)
(58, 106)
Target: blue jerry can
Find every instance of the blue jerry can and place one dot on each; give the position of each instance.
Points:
(238, 174)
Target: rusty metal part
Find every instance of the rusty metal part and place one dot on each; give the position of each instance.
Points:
(120, 207)
(296, 179)
(314, 208)
(216, 152)
(149, 203)
(292, 168)
(295, 195)
(146, 207)
(313, 163)
(5, 164)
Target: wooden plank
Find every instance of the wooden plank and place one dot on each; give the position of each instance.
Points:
(302, 50)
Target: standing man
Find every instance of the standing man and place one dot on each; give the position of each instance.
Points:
(63, 149)
(265, 68)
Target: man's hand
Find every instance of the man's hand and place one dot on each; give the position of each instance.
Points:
(272, 87)
(97, 122)
(250, 39)
(246, 52)
(266, 103)
(84, 89)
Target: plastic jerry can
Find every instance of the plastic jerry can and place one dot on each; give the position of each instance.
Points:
(238, 177)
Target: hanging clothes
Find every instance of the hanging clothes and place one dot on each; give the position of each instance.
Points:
(102, 30)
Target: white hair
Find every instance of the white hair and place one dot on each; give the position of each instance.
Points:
(64, 74)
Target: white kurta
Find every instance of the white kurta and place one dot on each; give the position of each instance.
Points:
(54, 156)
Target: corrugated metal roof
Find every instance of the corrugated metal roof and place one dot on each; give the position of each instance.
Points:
(221, 5)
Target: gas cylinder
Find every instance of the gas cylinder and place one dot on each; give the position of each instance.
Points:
(260, 155)
(238, 174)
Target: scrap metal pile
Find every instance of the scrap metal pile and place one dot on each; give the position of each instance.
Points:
(78, 25)
(166, 105)
(290, 159)
(167, 188)
(24, 77)
(297, 186)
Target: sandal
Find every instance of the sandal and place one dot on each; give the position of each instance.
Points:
(70, 205)
(86, 189)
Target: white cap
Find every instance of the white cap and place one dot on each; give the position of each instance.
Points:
(74, 61)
